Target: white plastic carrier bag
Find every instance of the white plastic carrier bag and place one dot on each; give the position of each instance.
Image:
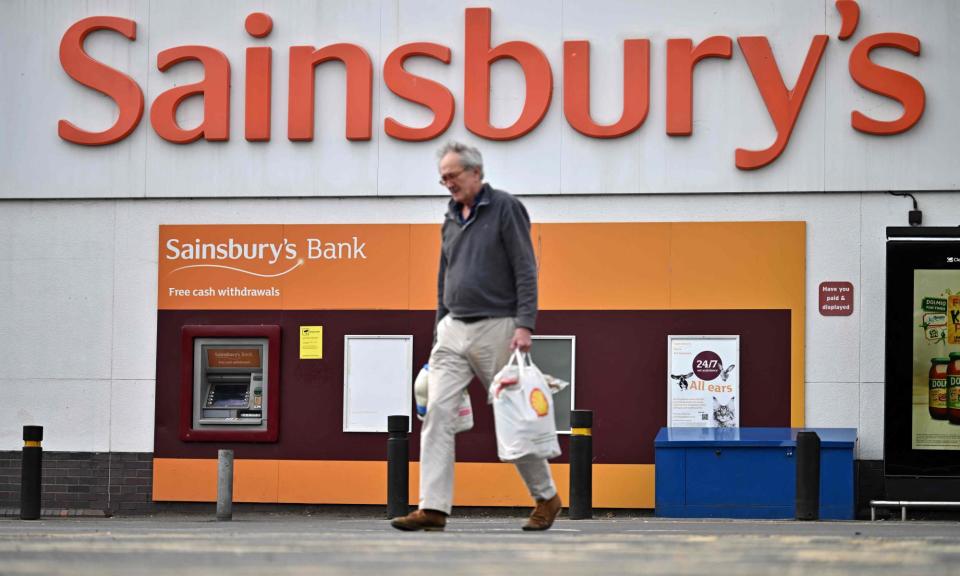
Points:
(464, 420)
(523, 412)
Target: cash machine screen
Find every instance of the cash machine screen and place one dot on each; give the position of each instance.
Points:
(229, 396)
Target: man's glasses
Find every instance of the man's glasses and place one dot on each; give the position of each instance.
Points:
(450, 177)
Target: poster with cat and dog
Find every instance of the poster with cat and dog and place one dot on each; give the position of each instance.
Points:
(703, 381)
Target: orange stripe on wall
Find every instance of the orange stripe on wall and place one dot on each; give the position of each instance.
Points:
(185, 480)
(365, 482)
(736, 265)
(333, 482)
(256, 480)
(424, 265)
(604, 266)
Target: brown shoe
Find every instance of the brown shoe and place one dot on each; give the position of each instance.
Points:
(428, 520)
(544, 514)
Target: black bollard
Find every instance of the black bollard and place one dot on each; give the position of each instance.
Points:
(808, 476)
(581, 465)
(398, 466)
(31, 473)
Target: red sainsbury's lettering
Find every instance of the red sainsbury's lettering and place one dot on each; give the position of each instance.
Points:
(682, 54)
(123, 89)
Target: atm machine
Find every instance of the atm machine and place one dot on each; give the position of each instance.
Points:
(228, 379)
(229, 387)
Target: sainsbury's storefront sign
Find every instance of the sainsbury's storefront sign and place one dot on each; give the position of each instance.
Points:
(783, 105)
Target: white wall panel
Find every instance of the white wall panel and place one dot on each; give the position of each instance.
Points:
(75, 414)
(922, 158)
(56, 294)
(57, 318)
(870, 429)
(134, 320)
(34, 231)
(878, 211)
(131, 415)
(833, 405)
(833, 255)
(36, 93)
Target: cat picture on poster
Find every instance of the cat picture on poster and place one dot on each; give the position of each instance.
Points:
(703, 381)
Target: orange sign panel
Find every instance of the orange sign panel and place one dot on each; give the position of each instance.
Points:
(582, 266)
(233, 357)
(292, 267)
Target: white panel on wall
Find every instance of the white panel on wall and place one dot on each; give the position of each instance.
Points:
(870, 430)
(36, 94)
(878, 211)
(377, 371)
(134, 320)
(58, 318)
(56, 295)
(75, 414)
(833, 255)
(832, 405)
(132, 415)
(922, 158)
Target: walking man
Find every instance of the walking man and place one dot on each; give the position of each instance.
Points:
(486, 308)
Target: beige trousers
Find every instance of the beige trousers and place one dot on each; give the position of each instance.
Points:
(463, 350)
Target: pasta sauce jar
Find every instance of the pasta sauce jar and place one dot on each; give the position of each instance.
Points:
(938, 388)
(953, 388)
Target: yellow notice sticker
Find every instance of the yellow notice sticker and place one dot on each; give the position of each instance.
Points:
(311, 342)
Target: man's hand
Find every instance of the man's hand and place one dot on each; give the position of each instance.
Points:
(522, 339)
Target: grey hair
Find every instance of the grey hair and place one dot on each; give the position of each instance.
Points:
(470, 158)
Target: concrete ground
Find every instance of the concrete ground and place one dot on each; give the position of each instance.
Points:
(341, 543)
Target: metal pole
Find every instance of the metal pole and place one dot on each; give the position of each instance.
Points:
(581, 465)
(31, 473)
(808, 476)
(398, 466)
(224, 484)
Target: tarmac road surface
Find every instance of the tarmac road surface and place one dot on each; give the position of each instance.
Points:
(285, 544)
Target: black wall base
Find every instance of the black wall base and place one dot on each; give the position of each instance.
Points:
(121, 483)
(867, 485)
(107, 483)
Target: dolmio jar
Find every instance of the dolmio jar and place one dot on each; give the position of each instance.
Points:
(938, 388)
(953, 388)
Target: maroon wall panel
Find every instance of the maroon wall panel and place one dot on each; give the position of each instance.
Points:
(621, 368)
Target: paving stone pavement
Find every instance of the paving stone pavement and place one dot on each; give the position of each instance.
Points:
(257, 544)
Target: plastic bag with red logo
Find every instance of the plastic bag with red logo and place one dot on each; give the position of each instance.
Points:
(523, 412)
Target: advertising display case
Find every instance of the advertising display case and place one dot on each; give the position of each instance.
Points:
(922, 400)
